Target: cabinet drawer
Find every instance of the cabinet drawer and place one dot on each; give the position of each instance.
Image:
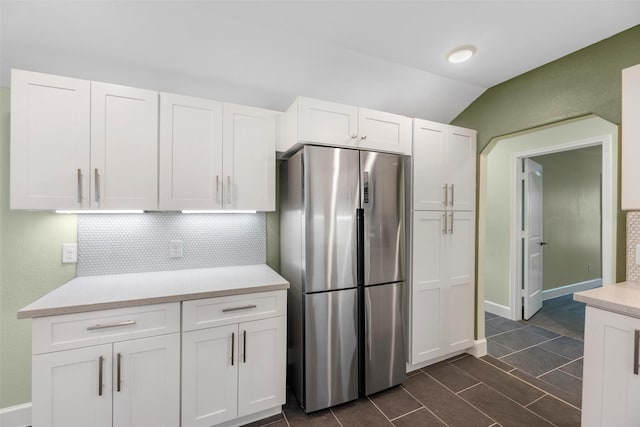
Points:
(54, 333)
(212, 312)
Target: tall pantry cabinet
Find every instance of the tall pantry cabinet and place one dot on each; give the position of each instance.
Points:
(442, 239)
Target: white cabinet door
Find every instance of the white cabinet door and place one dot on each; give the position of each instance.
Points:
(249, 150)
(460, 168)
(261, 377)
(210, 376)
(50, 139)
(327, 123)
(630, 172)
(429, 187)
(427, 285)
(458, 295)
(124, 147)
(190, 153)
(611, 388)
(66, 388)
(382, 131)
(146, 382)
(444, 167)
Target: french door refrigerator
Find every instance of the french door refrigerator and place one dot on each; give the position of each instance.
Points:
(342, 250)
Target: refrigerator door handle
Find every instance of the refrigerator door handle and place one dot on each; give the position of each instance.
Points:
(365, 186)
(360, 247)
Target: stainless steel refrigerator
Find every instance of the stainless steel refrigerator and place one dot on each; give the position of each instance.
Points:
(342, 250)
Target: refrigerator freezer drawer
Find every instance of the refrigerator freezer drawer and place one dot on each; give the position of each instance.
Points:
(331, 349)
(384, 358)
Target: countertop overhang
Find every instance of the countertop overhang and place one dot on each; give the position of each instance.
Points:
(622, 298)
(92, 293)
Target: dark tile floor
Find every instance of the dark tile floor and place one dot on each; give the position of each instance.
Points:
(562, 315)
(531, 377)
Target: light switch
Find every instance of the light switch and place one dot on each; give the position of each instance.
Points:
(69, 253)
(175, 249)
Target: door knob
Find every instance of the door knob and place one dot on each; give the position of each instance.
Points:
(543, 243)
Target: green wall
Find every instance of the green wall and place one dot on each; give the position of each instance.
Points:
(30, 266)
(571, 216)
(584, 82)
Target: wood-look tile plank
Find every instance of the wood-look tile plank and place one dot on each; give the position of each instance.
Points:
(421, 417)
(497, 350)
(574, 368)
(571, 398)
(497, 363)
(395, 402)
(360, 413)
(566, 382)
(499, 380)
(565, 346)
(267, 421)
(541, 331)
(505, 411)
(559, 413)
(297, 418)
(445, 404)
(518, 339)
(504, 325)
(535, 360)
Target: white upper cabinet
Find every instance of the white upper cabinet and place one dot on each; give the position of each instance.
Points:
(630, 199)
(50, 139)
(190, 153)
(215, 155)
(124, 147)
(77, 144)
(444, 171)
(249, 158)
(320, 122)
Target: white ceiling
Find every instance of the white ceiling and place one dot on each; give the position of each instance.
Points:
(387, 55)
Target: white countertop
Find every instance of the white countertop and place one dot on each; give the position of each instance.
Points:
(91, 293)
(623, 298)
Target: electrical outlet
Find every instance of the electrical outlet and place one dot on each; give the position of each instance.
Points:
(69, 253)
(175, 249)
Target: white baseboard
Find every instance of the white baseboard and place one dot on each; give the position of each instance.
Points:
(497, 309)
(569, 289)
(479, 348)
(16, 416)
(411, 368)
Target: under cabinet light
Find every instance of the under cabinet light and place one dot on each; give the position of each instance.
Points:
(215, 211)
(99, 211)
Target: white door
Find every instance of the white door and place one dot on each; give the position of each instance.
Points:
(382, 131)
(50, 139)
(66, 388)
(249, 158)
(146, 382)
(327, 123)
(427, 280)
(262, 365)
(611, 382)
(210, 376)
(190, 153)
(124, 147)
(430, 191)
(532, 240)
(458, 295)
(460, 167)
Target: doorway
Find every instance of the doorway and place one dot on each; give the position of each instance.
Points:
(561, 223)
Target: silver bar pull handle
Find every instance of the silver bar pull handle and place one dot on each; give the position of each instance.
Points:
(365, 187)
(445, 200)
(244, 346)
(96, 176)
(636, 350)
(111, 325)
(444, 218)
(218, 189)
(100, 363)
(452, 195)
(233, 344)
(451, 223)
(119, 358)
(244, 307)
(229, 189)
(79, 185)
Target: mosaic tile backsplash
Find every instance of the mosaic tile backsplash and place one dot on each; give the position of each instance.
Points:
(633, 239)
(134, 243)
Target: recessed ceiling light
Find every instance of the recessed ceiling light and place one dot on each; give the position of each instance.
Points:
(461, 54)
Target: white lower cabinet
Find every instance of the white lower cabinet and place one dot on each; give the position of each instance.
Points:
(611, 385)
(442, 294)
(130, 383)
(235, 372)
